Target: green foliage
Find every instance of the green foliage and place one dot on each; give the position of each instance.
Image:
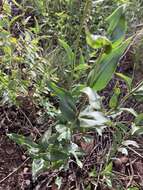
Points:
(127, 79)
(96, 42)
(113, 103)
(66, 104)
(117, 25)
(59, 57)
(102, 72)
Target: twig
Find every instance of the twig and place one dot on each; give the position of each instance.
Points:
(10, 174)
(90, 154)
(98, 178)
(26, 118)
(135, 151)
(132, 175)
(36, 130)
(120, 174)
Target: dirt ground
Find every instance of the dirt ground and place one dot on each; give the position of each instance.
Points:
(15, 165)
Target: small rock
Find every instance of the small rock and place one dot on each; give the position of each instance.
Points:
(27, 182)
(25, 171)
(23, 157)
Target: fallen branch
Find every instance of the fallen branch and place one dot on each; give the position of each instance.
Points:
(13, 172)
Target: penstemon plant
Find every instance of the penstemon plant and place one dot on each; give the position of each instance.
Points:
(81, 109)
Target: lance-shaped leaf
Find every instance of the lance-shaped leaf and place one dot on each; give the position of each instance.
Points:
(67, 105)
(32, 147)
(93, 119)
(102, 72)
(22, 140)
(117, 25)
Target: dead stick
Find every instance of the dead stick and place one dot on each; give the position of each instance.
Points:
(10, 174)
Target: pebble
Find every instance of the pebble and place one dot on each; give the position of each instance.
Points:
(25, 170)
(23, 157)
(27, 182)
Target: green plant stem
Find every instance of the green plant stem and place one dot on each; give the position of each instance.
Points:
(85, 12)
(131, 93)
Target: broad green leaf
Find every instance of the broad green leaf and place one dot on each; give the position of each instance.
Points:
(53, 139)
(97, 41)
(56, 155)
(68, 108)
(32, 147)
(64, 132)
(93, 119)
(60, 128)
(65, 135)
(57, 90)
(22, 140)
(117, 25)
(94, 98)
(67, 105)
(68, 50)
(38, 165)
(102, 72)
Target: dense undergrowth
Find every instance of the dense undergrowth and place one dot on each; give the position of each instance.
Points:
(60, 57)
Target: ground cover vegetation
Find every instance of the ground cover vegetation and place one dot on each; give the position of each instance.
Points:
(71, 93)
